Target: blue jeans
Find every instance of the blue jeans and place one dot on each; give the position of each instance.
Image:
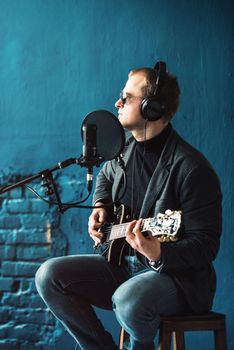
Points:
(72, 285)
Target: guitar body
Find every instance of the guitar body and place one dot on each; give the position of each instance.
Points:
(117, 250)
(114, 250)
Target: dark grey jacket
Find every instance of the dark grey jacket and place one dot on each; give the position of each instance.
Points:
(183, 180)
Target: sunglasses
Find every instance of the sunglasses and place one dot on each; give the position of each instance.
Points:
(127, 99)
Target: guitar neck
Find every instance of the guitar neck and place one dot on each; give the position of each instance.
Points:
(119, 231)
(165, 226)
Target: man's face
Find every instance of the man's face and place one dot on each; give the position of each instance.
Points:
(129, 113)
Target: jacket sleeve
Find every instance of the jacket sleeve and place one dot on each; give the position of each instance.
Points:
(104, 182)
(200, 202)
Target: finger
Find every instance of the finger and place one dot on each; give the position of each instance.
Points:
(131, 226)
(130, 236)
(137, 228)
(102, 216)
(93, 223)
(96, 233)
(95, 239)
(138, 224)
(94, 226)
(96, 236)
(135, 237)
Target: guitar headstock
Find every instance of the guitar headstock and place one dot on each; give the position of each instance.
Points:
(165, 226)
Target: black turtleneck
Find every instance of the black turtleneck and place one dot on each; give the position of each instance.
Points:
(140, 169)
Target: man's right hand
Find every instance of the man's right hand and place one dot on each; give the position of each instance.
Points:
(96, 220)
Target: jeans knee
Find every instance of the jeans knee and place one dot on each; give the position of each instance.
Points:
(44, 276)
(135, 316)
(127, 309)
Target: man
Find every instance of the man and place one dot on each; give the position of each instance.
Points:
(150, 279)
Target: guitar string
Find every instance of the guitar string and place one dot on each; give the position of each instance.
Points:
(115, 228)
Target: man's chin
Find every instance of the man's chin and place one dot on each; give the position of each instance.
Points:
(122, 120)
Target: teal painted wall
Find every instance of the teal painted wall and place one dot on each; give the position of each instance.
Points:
(60, 60)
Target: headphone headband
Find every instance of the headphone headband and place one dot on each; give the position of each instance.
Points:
(160, 67)
(151, 108)
(160, 70)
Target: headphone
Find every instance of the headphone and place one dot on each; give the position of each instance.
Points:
(151, 108)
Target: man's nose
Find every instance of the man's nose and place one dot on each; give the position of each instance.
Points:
(118, 103)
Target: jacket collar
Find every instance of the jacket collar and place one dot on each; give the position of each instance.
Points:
(160, 174)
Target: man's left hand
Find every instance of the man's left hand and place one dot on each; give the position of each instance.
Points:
(148, 246)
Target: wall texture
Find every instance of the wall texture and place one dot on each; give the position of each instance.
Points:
(60, 60)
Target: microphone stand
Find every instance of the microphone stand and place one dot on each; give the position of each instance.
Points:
(48, 180)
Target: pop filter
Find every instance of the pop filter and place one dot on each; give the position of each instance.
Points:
(110, 136)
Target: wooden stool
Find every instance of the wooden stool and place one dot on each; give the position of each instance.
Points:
(176, 326)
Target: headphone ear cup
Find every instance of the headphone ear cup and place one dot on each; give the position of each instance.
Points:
(151, 109)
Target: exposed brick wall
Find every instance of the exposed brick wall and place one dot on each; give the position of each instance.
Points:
(30, 233)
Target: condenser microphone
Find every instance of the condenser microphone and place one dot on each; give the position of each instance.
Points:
(89, 132)
(90, 142)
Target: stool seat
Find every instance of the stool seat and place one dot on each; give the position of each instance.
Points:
(175, 326)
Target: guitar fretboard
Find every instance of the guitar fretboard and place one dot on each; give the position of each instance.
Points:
(119, 231)
(165, 226)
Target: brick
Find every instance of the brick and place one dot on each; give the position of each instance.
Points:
(45, 346)
(15, 206)
(8, 284)
(33, 253)
(33, 301)
(5, 315)
(35, 221)
(16, 193)
(25, 269)
(10, 299)
(2, 236)
(25, 205)
(1, 203)
(30, 346)
(38, 206)
(4, 329)
(7, 252)
(23, 300)
(25, 332)
(28, 285)
(4, 195)
(29, 315)
(29, 237)
(9, 344)
(10, 222)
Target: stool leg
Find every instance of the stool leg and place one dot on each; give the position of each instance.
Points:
(178, 340)
(123, 336)
(220, 339)
(164, 342)
(121, 339)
